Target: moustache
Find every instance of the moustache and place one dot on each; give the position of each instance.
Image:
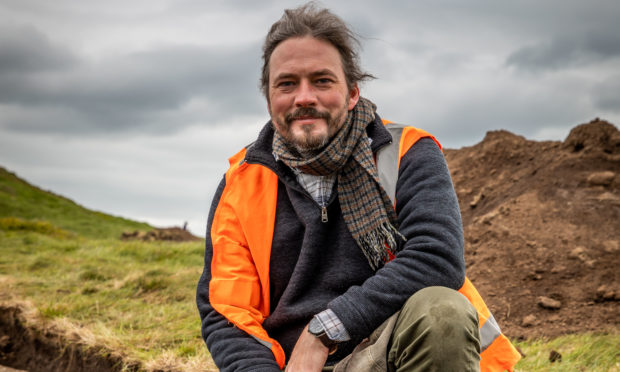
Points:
(306, 112)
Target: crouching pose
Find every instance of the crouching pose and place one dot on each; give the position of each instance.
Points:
(334, 241)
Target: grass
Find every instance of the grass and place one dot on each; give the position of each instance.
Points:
(134, 297)
(581, 352)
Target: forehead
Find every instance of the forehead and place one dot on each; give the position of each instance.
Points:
(303, 55)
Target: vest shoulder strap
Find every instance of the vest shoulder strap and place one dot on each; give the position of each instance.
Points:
(388, 157)
(388, 161)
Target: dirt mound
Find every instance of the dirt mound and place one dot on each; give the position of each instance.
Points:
(542, 228)
(175, 234)
(36, 350)
(595, 136)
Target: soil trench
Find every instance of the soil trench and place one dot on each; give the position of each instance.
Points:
(36, 350)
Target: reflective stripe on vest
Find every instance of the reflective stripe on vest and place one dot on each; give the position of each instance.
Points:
(387, 163)
(388, 157)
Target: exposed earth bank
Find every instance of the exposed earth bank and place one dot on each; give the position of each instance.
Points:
(43, 349)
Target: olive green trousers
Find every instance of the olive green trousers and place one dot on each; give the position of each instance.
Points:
(436, 330)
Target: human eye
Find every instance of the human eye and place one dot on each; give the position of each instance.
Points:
(285, 84)
(324, 81)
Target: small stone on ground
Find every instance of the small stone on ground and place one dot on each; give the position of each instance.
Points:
(9, 369)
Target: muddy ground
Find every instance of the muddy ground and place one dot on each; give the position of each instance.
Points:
(542, 230)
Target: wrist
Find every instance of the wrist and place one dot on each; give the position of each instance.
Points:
(316, 329)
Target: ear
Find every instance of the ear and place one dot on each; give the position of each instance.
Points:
(354, 96)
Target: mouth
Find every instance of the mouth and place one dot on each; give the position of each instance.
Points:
(305, 119)
(306, 115)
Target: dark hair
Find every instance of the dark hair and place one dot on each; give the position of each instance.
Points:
(322, 24)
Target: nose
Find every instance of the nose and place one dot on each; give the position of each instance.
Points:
(306, 96)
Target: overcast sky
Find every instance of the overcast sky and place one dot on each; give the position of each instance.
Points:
(133, 107)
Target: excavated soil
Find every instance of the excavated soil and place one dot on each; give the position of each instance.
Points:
(542, 228)
(173, 234)
(36, 349)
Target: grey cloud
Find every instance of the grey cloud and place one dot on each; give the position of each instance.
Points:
(25, 49)
(568, 51)
(134, 92)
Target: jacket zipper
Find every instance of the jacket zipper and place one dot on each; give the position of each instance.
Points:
(323, 206)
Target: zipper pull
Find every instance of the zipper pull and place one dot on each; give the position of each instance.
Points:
(324, 214)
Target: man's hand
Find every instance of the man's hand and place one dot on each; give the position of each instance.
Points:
(309, 354)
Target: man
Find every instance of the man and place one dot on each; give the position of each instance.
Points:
(308, 265)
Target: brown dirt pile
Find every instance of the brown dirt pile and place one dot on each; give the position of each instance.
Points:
(174, 234)
(542, 228)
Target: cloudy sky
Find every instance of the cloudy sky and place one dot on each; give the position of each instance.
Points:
(133, 107)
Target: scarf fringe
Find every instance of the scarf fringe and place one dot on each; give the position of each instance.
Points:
(374, 244)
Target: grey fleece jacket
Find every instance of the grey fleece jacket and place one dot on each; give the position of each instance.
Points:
(316, 265)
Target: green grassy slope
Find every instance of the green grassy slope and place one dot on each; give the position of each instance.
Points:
(19, 199)
(133, 298)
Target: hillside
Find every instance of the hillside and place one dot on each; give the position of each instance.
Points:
(85, 291)
(19, 199)
(542, 228)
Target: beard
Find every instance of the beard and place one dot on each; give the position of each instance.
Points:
(309, 143)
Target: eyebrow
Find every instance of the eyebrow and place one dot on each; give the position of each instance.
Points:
(324, 72)
(286, 75)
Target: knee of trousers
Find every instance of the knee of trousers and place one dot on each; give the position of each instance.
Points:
(440, 312)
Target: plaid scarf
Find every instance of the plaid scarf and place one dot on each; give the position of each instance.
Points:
(366, 208)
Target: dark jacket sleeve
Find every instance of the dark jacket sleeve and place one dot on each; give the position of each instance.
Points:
(430, 219)
(231, 348)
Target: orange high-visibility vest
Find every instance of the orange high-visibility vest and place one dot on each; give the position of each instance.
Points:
(242, 233)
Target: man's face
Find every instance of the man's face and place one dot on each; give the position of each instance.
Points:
(308, 94)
